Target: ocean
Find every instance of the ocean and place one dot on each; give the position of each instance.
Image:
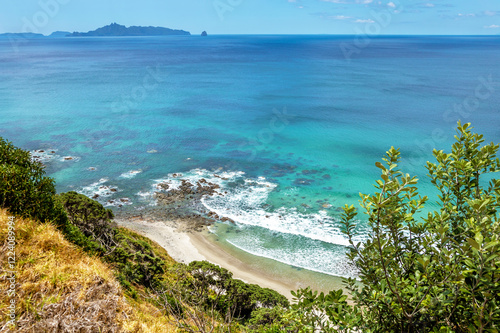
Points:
(288, 126)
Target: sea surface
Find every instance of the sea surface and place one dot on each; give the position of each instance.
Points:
(288, 126)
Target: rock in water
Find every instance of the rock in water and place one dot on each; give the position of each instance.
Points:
(204, 34)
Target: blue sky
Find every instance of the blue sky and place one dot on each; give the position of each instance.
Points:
(258, 16)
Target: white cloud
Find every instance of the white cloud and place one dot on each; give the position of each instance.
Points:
(364, 21)
(430, 5)
(391, 4)
(340, 17)
(493, 26)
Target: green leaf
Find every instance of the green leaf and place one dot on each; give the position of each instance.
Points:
(479, 238)
(491, 244)
(473, 243)
(380, 165)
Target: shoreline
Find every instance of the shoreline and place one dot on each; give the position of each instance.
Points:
(185, 246)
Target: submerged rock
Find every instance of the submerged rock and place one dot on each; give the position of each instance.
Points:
(303, 181)
(163, 186)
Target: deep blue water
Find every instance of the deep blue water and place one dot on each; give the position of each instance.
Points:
(292, 124)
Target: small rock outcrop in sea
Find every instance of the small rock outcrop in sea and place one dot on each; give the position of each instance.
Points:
(181, 203)
(43, 156)
(119, 202)
(303, 181)
(204, 34)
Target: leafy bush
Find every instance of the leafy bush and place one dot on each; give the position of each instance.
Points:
(436, 274)
(233, 296)
(90, 217)
(135, 259)
(270, 320)
(24, 188)
(133, 256)
(26, 191)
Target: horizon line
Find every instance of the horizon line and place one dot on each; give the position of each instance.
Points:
(271, 34)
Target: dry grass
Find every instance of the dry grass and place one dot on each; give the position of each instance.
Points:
(61, 289)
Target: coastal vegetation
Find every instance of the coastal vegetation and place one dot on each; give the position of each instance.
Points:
(437, 273)
(198, 297)
(440, 273)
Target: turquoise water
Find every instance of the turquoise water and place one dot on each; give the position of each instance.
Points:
(293, 126)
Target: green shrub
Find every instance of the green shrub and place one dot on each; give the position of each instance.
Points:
(234, 296)
(94, 221)
(135, 259)
(24, 189)
(435, 274)
(270, 320)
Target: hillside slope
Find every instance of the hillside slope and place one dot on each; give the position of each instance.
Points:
(59, 288)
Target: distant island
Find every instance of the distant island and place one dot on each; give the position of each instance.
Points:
(23, 35)
(115, 29)
(31, 35)
(58, 34)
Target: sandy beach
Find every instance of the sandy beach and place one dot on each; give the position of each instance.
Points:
(186, 246)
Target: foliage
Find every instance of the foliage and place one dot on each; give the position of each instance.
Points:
(90, 217)
(274, 320)
(133, 256)
(24, 188)
(192, 303)
(26, 192)
(435, 274)
(311, 312)
(237, 297)
(210, 299)
(135, 259)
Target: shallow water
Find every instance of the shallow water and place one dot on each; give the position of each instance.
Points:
(293, 127)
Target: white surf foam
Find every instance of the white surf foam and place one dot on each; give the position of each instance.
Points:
(244, 201)
(99, 189)
(173, 181)
(102, 192)
(44, 155)
(245, 205)
(130, 174)
(312, 258)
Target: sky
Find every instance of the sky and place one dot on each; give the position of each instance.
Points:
(421, 17)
